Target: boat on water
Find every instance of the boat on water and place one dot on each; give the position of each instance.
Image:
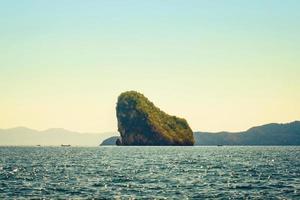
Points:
(65, 145)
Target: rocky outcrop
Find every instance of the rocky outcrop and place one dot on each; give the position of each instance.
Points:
(140, 122)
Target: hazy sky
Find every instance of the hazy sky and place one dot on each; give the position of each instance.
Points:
(222, 65)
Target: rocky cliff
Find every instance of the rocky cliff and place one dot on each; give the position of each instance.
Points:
(140, 122)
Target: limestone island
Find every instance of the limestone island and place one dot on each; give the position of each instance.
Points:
(141, 123)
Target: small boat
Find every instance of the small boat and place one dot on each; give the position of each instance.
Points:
(65, 145)
(219, 145)
(38, 145)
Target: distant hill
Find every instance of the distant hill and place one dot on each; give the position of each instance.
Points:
(269, 134)
(110, 141)
(51, 137)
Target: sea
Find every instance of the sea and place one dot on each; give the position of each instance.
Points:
(206, 172)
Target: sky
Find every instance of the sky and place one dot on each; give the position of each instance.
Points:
(222, 65)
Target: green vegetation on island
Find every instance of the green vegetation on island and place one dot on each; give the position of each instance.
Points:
(140, 122)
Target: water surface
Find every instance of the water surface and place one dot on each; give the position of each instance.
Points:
(150, 172)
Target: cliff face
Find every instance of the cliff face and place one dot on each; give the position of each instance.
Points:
(140, 122)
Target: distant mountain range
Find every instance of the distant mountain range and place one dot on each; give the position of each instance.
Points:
(51, 137)
(269, 134)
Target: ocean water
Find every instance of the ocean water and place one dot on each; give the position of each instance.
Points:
(150, 172)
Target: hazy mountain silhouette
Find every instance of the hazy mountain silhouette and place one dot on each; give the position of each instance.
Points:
(56, 136)
(269, 134)
(110, 141)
